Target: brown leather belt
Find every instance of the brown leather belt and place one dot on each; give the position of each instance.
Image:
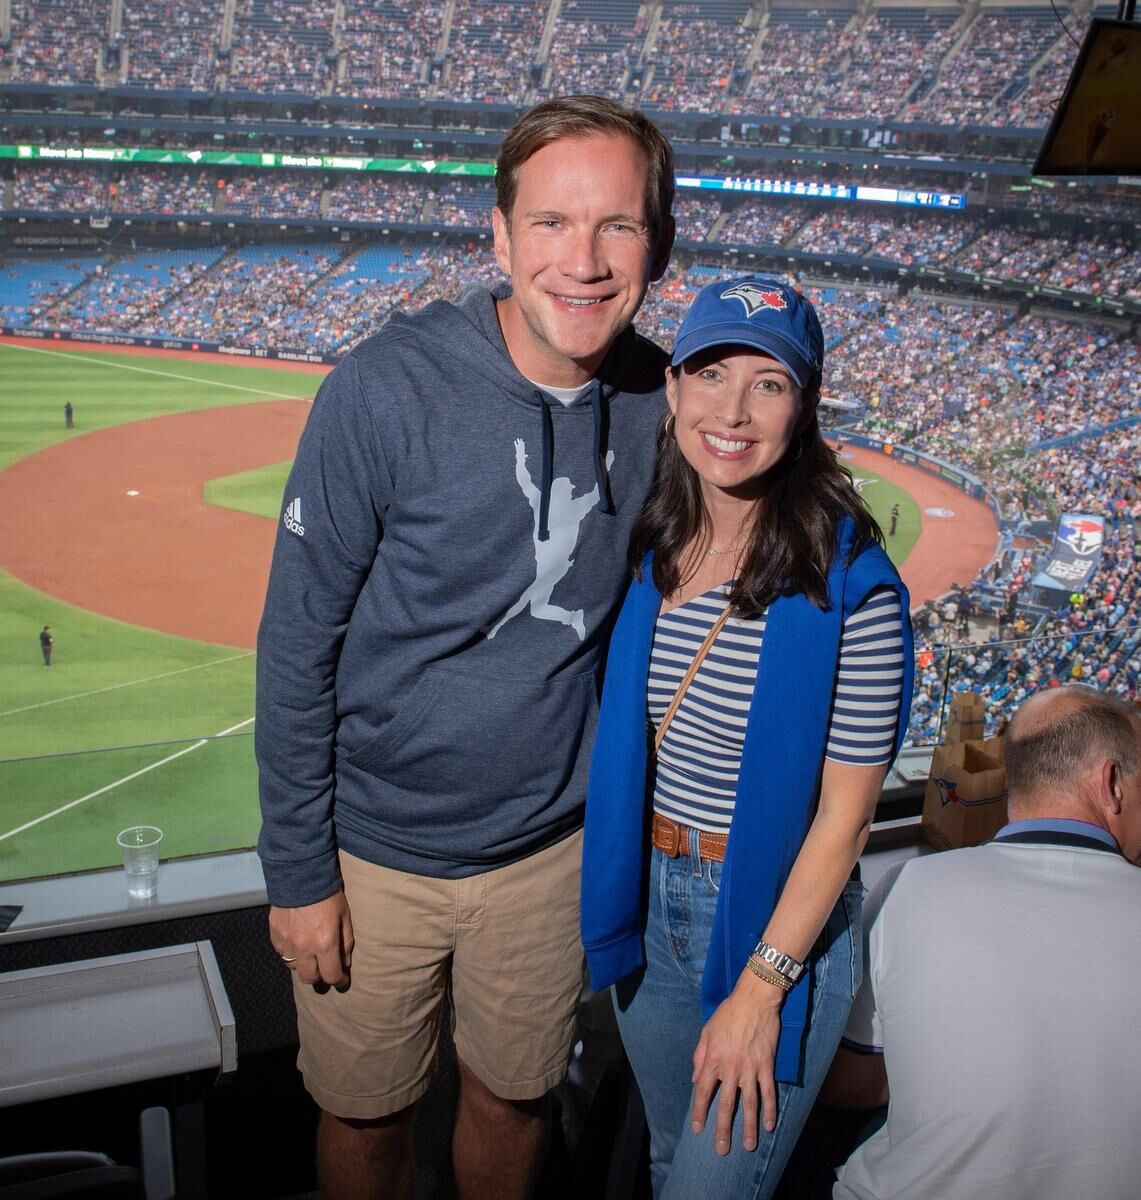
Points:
(673, 839)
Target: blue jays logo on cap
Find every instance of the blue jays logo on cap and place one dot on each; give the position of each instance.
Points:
(753, 310)
(755, 298)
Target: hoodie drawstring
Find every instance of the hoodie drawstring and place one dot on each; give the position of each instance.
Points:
(601, 475)
(548, 470)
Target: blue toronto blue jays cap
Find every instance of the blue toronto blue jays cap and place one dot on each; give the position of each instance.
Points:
(754, 311)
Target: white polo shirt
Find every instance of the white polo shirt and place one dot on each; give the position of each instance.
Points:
(1003, 985)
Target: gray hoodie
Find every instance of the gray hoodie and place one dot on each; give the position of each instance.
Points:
(448, 566)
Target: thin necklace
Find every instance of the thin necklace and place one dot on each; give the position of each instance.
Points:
(734, 545)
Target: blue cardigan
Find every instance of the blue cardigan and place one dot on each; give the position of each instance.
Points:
(777, 790)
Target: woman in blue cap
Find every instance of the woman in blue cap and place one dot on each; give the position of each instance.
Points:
(765, 646)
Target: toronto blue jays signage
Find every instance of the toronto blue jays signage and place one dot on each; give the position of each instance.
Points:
(1076, 552)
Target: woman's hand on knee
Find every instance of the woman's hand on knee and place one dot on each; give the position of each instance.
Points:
(734, 1057)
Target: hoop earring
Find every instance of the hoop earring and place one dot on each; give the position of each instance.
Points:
(799, 451)
(668, 425)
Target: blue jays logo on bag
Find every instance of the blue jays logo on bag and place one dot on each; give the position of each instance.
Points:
(949, 794)
(1082, 533)
(754, 298)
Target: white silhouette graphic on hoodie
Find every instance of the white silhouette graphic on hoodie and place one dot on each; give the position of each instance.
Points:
(552, 557)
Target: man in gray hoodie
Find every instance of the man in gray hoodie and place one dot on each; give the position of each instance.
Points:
(448, 566)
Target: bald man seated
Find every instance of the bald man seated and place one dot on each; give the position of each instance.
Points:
(999, 1013)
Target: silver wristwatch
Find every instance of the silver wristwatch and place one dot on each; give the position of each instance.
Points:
(783, 964)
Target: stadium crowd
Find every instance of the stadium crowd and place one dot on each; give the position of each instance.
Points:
(692, 60)
(696, 213)
(1099, 265)
(389, 198)
(998, 48)
(159, 190)
(387, 49)
(897, 50)
(1091, 635)
(905, 239)
(947, 67)
(58, 41)
(171, 43)
(492, 50)
(801, 53)
(462, 203)
(286, 194)
(590, 55)
(281, 46)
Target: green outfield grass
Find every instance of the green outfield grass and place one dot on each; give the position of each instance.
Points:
(111, 389)
(204, 800)
(134, 695)
(880, 495)
(258, 492)
(109, 684)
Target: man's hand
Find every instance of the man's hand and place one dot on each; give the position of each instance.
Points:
(315, 940)
(735, 1055)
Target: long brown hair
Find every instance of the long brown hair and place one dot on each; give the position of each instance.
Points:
(792, 539)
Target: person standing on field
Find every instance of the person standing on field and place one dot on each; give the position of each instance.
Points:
(46, 641)
(68, 415)
(449, 564)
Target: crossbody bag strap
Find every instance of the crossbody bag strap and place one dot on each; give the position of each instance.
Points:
(698, 659)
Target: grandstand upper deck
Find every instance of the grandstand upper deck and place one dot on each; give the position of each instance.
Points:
(695, 53)
(594, 47)
(171, 43)
(980, 244)
(388, 49)
(937, 65)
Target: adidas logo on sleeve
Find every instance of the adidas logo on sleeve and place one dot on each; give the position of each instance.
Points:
(292, 517)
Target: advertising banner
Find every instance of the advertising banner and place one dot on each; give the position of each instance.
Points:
(1075, 554)
(160, 343)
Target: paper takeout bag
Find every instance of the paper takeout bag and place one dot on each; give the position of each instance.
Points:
(966, 719)
(965, 801)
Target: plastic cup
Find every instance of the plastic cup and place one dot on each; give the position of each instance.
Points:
(140, 859)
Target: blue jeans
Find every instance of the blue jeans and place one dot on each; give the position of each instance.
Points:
(659, 1015)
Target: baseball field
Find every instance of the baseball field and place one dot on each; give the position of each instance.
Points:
(142, 537)
(146, 712)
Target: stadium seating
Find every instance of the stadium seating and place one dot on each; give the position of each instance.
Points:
(171, 43)
(387, 49)
(999, 65)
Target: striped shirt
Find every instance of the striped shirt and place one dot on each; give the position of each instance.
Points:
(700, 756)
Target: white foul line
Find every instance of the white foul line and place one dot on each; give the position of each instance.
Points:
(126, 779)
(128, 683)
(122, 366)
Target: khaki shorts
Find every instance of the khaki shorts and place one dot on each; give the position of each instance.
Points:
(505, 944)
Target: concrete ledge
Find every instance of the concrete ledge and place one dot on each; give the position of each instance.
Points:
(90, 900)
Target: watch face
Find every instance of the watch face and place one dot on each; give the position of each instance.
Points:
(784, 963)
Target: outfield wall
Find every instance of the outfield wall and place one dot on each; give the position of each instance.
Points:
(955, 476)
(252, 353)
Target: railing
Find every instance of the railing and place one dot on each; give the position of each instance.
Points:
(60, 812)
(1005, 672)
